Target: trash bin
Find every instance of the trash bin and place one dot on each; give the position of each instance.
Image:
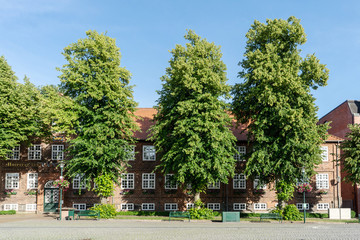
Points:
(230, 216)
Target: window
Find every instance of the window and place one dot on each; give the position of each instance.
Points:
(260, 206)
(215, 185)
(324, 153)
(323, 206)
(190, 206)
(79, 181)
(149, 153)
(148, 206)
(8, 207)
(30, 207)
(32, 180)
(12, 181)
(322, 181)
(148, 181)
(15, 154)
(171, 207)
(258, 185)
(241, 151)
(127, 181)
(79, 206)
(170, 182)
(239, 206)
(130, 153)
(239, 181)
(34, 152)
(300, 206)
(127, 207)
(57, 152)
(213, 206)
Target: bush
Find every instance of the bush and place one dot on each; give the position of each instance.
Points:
(317, 215)
(106, 210)
(290, 212)
(353, 214)
(10, 212)
(200, 212)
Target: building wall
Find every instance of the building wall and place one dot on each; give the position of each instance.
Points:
(226, 196)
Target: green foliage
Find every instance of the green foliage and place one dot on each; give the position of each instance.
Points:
(103, 107)
(351, 156)
(201, 213)
(317, 215)
(9, 212)
(192, 123)
(106, 210)
(284, 191)
(143, 213)
(21, 116)
(275, 102)
(291, 212)
(353, 214)
(104, 185)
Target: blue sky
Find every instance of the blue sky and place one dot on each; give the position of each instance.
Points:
(34, 33)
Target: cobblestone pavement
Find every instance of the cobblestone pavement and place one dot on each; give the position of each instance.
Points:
(35, 227)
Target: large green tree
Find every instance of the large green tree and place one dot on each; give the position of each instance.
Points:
(275, 101)
(104, 107)
(351, 156)
(21, 117)
(192, 123)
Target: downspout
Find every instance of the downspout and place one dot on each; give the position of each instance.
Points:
(338, 177)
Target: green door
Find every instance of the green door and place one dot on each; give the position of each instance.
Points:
(51, 197)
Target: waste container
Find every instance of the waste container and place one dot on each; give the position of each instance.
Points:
(230, 216)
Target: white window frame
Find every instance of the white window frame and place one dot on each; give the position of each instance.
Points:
(130, 153)
(239, 181)
(323, 206)
(239, 206)
(14, 154)
(127, 181)
(148, 181)
(190, 206)
(79, 181)
(79, 206)
(324, 153)
(12, 206)
(57, 152)
(300, 206)
(34, 152)
(260, 206)
(169, 182)
(31, 207)
(241, 151)
(170, 206)
(12, 180)
(32, 180)
(322, 181)
(213, 206)
(149, 153)
(257, 182)
(127, 207)
(148, 207)
(215, 185)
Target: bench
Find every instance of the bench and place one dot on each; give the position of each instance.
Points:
(179, 214)
(88, 213)
(270, 216)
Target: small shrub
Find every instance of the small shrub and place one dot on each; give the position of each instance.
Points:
(291, 212)
(106, 210)
(353, 214)
(317, 215)
(9, 212)
(200, 212)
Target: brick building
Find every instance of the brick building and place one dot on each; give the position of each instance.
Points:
(30, 172)
(340, 117)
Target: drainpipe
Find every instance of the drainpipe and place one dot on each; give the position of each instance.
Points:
(338, 177)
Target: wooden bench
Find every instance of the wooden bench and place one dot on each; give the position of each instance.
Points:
(270, 216)
(88, 213)
(179, 214)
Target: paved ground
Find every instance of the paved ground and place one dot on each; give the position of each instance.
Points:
(29, 226)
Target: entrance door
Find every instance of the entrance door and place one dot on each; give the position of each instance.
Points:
(51, 197)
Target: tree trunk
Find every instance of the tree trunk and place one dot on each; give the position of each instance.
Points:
(103, 200)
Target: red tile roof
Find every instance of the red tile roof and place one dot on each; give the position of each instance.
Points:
(332, 138)
(145, 121)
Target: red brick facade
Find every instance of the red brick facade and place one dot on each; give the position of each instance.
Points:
(226, 197)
